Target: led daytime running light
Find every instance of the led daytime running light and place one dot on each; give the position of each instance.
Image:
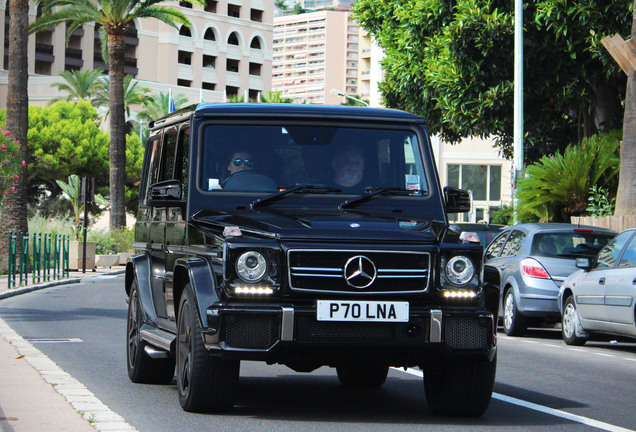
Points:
(460, 294)
(253, 290)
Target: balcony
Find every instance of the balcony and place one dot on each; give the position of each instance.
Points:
(256, 82)
(44, 52)
(73, 57)
(184, 72)
(232, 79)
(209, 74)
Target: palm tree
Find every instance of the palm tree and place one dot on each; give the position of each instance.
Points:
(134, 94)
(275, 97)
(281, 7)
(14, 211)
(113, 17)
(79, 85)
(625, 197)
(156, 106)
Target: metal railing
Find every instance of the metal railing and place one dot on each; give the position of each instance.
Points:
(47, 259)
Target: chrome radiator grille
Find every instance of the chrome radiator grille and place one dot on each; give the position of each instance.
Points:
(358, 271)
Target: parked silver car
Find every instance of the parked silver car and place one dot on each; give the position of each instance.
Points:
(533, 260)
(600, 296)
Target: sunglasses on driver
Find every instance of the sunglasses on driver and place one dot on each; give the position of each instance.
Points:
(239, 161)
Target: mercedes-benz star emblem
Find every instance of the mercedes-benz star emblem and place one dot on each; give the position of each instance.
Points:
(359, 271)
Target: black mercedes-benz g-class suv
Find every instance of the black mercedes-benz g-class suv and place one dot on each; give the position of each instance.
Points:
(307, 236)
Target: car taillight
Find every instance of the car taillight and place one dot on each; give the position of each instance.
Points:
(532, 268)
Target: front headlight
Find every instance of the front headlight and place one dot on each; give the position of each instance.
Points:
(459, 270)
(251, 266)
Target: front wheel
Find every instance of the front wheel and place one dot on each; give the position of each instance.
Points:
(460, 389)
(570, 324)
(514, 323)
(141, 367)
(370, 375)
(204, 383)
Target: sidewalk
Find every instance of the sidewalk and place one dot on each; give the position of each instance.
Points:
(36, 394)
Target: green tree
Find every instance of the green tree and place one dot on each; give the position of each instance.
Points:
(352, 102)
(156, 106)
(134, 94)
(113, 16)
(452, 63)
(280, 7)
(558, 186)
(134, 158)
(79, 85)
(14, 211)
(275, 97)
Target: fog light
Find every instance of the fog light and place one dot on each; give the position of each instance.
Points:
(460, 294)
(253, 290)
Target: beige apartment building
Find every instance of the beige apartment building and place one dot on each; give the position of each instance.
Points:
(226, 51)
(315, 53)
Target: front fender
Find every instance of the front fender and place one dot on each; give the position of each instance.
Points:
(200, 275)
(138, 269)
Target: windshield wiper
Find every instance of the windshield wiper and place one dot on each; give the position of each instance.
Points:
(311, 188)
(356, 201)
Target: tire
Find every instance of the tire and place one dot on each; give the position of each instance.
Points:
(570, 324)
(141, 367)
(514, 323)
(460, 389)
(204, 383)
(369, 376)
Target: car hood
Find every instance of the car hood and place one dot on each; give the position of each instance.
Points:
(318, 225)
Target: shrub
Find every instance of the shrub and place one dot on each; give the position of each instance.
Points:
(112, 242)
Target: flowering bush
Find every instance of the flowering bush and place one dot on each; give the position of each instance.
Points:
(10, 164)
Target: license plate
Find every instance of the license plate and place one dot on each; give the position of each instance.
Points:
(368, 311)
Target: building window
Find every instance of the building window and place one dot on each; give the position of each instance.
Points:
(255, 44)
(185, 57)
(256, 15)
(209, 35)
(184, 83)
(209, 61)
(208, 86)
(185, 4)
(231, 91)
(185, 31)
(210, 6)
(255, 69)
(233, 39)
(234, 11)
(483, 180)
(232, 65)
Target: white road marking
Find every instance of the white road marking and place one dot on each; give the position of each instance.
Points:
(604, 355)
(546, 410)
(54, 340)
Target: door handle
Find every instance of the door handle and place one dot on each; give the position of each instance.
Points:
(634, 281)
(601, 281)
(503, 267)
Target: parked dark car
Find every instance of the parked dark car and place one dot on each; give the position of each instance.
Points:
(249, 249)
(601, 296)
(533, 261)
(482, 233)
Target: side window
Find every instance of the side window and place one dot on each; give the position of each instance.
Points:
(495, 247)
(169, 150)
(608, 256)
(153, 153)
(182, 159)
(513, 244)
(629, 256)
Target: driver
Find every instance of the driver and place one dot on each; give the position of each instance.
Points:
(240, 161)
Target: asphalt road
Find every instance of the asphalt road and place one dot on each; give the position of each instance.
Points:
(542, 384)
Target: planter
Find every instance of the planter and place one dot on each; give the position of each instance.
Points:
(76, 250)
(123, 257)
(106, 260)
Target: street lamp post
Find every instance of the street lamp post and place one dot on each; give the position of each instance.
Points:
(518, 102)
(336, 92)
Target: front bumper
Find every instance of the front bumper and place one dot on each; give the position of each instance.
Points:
(267, 332)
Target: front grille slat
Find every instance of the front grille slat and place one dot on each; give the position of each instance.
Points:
(323, 270)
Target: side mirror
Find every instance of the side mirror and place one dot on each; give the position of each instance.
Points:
(584, 263)
(164, 194)
(457, 200)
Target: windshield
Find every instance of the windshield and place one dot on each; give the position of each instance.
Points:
(342, 160)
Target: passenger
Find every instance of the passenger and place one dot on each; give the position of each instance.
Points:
(348, 169)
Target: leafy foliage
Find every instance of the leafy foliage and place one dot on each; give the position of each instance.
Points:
(600, 204)
(72, 191)
(557, 187)
(10, 163)
(112, 241)
(503, 215)
(451, 62)
(77, 84)
(134, 94)
(156, 106)
(275, 97)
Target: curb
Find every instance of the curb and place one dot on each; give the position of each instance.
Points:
(28, 289)
(82, 400)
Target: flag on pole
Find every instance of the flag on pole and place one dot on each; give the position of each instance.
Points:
(171, 107)
(245, 99)
(224, 95)
(201, 95)
(258, 97)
